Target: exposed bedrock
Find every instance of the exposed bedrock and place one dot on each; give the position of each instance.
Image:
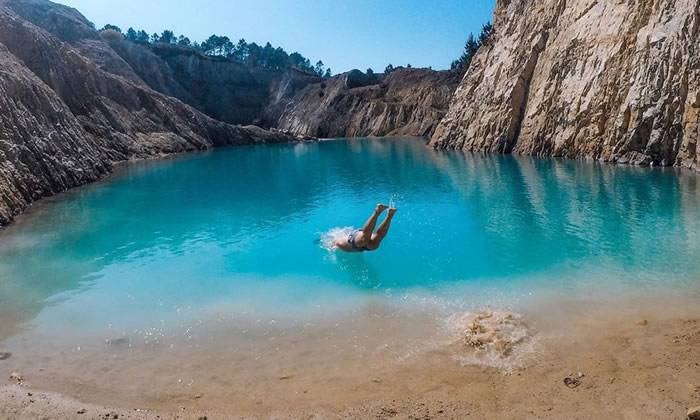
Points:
(407, 102)
(608, 80)
(219, 87)
(404, 102)
(75, 101)
(64, 120)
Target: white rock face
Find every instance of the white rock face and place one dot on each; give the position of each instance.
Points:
(613, 80)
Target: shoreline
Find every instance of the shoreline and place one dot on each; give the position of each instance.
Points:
(626, 361)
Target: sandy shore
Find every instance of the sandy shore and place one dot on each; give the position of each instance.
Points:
(642, 362)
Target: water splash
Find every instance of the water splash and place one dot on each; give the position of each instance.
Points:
(329, 238)
(393, 199)
(499, 339)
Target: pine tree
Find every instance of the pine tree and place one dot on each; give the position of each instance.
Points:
(183, 41)
(109, 27)
(252, 55)
(486, 32)
(142, 37)
(167, 37)
(131, 35)
(318, 68)
(472, 47)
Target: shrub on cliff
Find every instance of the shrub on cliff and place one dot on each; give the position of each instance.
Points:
(472, 46)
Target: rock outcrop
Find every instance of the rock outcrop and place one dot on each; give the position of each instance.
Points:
(64, 120)
(404, 102)
(607, 80)
(219, 87)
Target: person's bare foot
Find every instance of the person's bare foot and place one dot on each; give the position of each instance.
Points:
(392, 211)
(381, 207)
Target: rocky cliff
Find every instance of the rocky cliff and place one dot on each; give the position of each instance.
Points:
(219, 87)
(404, 102)
(74, 101)
(66, 116)
(616, 81)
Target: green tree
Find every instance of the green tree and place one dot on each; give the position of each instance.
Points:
(217, 45)
(296, 60)
(388, 69)
(240, 51)
(279, 60)
(254, 55)
(267, 54)
(142, 37)
(300, 62)
(183, 41)
(328, 74)
(109, 27)
(318, 68)
(167, 37)
(486, 32)
(131, 35)
(472, 47)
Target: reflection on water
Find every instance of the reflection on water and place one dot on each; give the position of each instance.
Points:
(237, 231)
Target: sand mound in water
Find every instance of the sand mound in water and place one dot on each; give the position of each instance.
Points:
(498, 339)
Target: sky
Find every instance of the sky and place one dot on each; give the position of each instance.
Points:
(345, 34)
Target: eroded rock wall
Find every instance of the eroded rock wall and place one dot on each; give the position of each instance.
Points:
(221, 88)
(64, 120)
(616, 81)
(406, 102)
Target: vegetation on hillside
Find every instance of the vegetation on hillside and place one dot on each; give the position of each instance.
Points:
(473, 44)
(249, 54)
(277, 59)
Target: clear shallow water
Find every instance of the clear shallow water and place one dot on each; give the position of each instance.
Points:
(234, 235)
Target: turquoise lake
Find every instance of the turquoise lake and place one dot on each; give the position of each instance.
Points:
(236, 233)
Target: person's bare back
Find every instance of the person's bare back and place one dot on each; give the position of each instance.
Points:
(366, 239)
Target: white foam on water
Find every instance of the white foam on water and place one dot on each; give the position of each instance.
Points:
(393, 199)
(497, 339)
(329, 238)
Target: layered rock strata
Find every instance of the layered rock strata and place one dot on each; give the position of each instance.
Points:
(64, 120)
(607, 80)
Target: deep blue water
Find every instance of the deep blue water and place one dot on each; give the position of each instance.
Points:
(237, 231)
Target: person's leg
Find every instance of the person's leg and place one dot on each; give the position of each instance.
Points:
(383, 230)
(372, 221)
